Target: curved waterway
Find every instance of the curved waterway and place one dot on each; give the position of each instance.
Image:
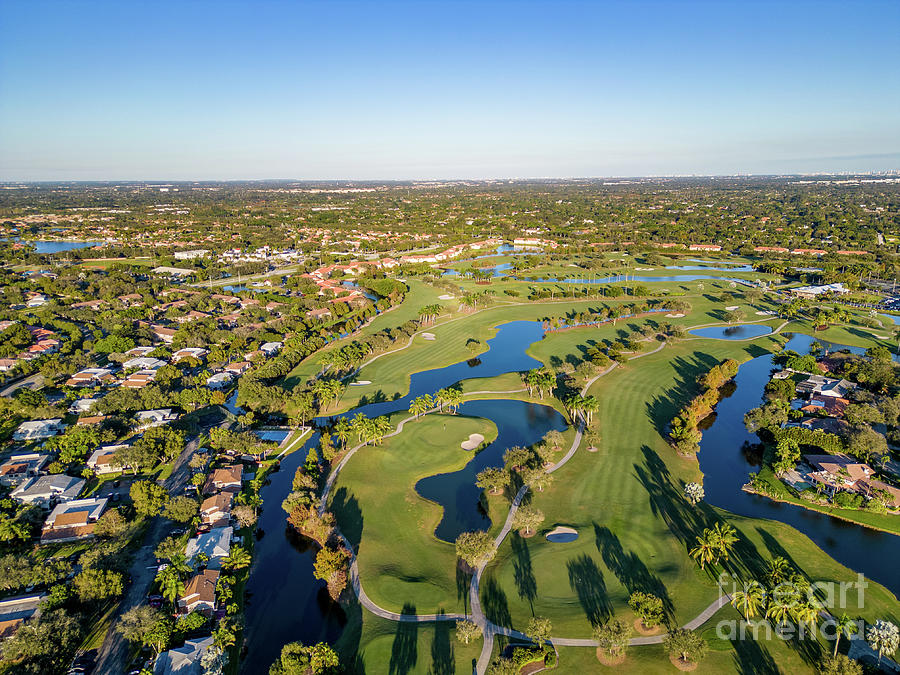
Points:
(726, 465)
(285, 602)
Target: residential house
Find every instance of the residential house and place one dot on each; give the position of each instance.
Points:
(189, 352)
(215, 511)
(226, 479)
(43, 490)
(811, 292)
(15, 470)
(101, 460)
(7, 364)
(139, 379)
(138, 352)
(154, 418)
(13, 611)
(833, 406)
(73, 520)
(821, 386)
(841, 472)
(270, 348)
(219, 380)
(238, 367)
(144, 363)
(83, 405)
(91, 377)
(183, 660)
(91, 420)
(215, 544)
(200, 593)
(38, 430)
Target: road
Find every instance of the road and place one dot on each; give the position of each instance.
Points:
(113, 653)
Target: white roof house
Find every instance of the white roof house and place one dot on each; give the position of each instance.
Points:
(155, 418)
(184, 660)
(38, 430)
(139, 351)
(219, 380)
(13, 611)
(83, 405)
(270, 348)
(144, 363)
(44, 489)
(216, 544)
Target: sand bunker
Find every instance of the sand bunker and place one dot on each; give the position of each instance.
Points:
(360, 383)
(446, 296)
(674, 315)
(732, 308)
(643, 269)
(561, 534)
(764, 313)
(428, 336)
(473, 442)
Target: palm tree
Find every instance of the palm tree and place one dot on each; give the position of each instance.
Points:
(780, 610)
(441, 398)
(454, 399)
(749, 600)
(170, 584)
(590, 405)
(845, 626)
(705, 550)
(238, 558)
(418, 406)
(778, 570)
(342, 431)
(883, 637)
(726, 537)
(806, 612)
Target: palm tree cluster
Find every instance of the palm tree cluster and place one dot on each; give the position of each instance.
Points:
(540, 380)
(451, 398)
(327, 391)
(714, 544)
(429, 313)
(581, 408)
(370, 429)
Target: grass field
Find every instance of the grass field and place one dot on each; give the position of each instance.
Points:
(400, 560)
(374, 645)
(635, 528)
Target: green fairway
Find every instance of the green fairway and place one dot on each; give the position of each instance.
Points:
(378, 509)
(635, 527)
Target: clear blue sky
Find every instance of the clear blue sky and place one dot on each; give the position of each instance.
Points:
(429, 89)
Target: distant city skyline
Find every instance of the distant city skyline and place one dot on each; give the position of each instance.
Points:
(446, 90)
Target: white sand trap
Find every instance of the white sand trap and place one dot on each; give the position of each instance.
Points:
(880, 337)
(473, 442)
(446, 296)
(732, 308)
(765, 313)
(428, 336)
(675, 315)
(643, 269)
(360, 383)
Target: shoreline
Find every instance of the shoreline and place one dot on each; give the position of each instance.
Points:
(749, 490)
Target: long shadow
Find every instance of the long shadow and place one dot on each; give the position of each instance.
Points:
(661, 409)
(751, 658)
(349, 517)
(526, 584)
(629, 569)
(404, 651)
(443, 659)
(587, 581)
(496, 606)
(463, 582)
(348, 644)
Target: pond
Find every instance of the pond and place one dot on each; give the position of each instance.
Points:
(518, 423)
(737, 267)
(738, 332)
(285, 602)
(726, 462)
(630, 278)
(61, 246)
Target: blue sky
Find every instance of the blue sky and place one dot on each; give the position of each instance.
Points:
(428, 89)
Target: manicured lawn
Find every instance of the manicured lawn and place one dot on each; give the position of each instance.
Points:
(377, 506)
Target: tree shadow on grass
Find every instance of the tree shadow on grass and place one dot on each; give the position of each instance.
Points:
(404, 651)
(526, 584)
(752, 658)
(443, 659)
(629, 569)
(463, 582)
(345, 508)
(587, 581)
(496, 607)
(661, 409)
